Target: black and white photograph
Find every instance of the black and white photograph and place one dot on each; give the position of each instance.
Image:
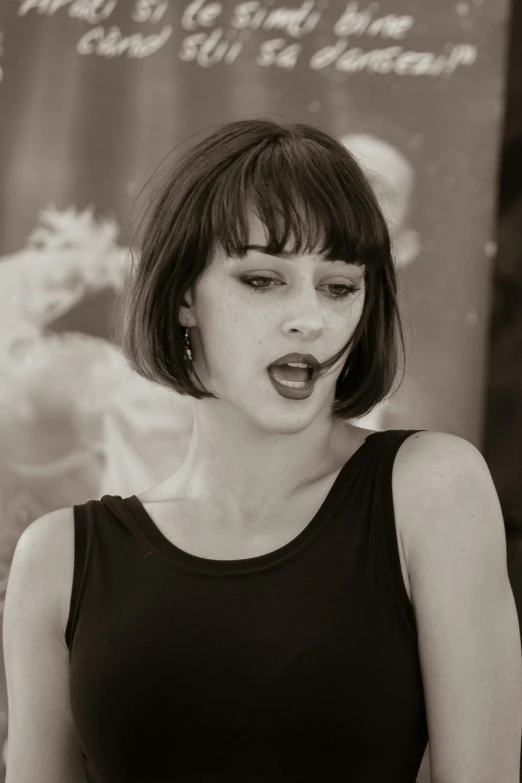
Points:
(260, 391)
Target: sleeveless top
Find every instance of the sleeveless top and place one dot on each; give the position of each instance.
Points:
(300, 665)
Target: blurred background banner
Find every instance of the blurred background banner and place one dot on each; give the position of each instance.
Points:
(96, 94)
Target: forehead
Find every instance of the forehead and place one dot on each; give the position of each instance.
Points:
(258, 233)
(257, 230)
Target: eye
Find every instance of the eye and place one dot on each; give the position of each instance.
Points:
(258, 283)
(261, 283)
(342, 291)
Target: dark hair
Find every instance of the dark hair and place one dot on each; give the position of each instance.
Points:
(302, 183)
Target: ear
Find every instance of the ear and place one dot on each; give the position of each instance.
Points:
(186, 315)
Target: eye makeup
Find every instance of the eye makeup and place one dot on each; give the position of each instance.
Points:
(262, 284)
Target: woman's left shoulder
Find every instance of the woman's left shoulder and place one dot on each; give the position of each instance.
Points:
(427, 450)
(442, 485)
(466, 620)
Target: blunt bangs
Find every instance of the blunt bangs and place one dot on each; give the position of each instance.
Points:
(311, 198)
(311, 195)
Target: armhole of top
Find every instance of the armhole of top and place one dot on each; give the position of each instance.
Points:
(391, 529)
(82, 546)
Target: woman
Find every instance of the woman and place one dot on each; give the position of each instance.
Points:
(281, 608)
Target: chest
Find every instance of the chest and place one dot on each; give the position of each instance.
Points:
(213, 530)
(272, 656)
(207, 531)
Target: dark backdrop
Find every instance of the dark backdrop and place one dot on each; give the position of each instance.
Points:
(503, 421)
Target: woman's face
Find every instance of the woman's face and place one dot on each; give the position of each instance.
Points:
(246, 313)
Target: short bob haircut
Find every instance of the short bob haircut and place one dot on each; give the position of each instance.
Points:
(304, 185)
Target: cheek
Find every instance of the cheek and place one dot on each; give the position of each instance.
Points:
(228, 318)
(356, 309)
(240, 317)
(229, 330)
(346, 322)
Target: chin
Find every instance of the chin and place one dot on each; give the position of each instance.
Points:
(273, 414)
(286, 427)
(297, 417)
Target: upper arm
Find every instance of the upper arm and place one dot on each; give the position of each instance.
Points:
(468, 633)
(42, 741)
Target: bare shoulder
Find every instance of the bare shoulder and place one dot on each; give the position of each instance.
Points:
(43, 562)
(441, 483)
(468, 635)
(431, 447)
(43, 740)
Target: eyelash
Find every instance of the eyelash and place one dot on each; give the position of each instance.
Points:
(249, 283)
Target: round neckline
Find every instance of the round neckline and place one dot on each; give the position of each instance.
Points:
(168, 550)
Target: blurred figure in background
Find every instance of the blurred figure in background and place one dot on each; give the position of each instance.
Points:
(392, 177)
(75, 422)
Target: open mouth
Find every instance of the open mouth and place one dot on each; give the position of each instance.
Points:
(293, 375)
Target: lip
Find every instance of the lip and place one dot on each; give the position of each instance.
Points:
(303, 358)
(293, 392)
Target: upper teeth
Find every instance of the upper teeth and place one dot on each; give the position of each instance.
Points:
(297, 364)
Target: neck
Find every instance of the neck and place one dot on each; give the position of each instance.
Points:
(232, 460)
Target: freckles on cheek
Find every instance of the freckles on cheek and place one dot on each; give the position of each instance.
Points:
(227, 319)
(239, 312)
(345, 327)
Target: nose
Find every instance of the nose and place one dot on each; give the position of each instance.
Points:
(305, 316)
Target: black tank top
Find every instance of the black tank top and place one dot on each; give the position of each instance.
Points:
(300, 665)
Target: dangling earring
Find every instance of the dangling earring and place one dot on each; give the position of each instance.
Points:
(188, 352)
